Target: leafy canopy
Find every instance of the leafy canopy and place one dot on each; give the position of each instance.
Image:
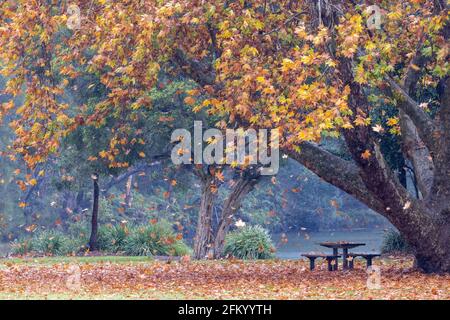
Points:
(258, 64)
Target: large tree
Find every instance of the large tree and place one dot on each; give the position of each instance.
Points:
(311, 68)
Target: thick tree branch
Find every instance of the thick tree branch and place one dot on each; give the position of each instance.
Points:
(245, 184)
(413, 146)
(131, 171)
(419, 155)
(421, 120)
(200, 72)
(339, 172)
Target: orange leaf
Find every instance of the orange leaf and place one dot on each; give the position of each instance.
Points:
(366, 154)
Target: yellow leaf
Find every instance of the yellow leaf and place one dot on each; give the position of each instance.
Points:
(261, 80)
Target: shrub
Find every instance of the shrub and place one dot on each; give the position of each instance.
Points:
(48, 242)
(393, 242)
(22, 247)
(111, 238)
(80, 229)
(253, 242)
(154, 239)
(51, 242)
(76, 245)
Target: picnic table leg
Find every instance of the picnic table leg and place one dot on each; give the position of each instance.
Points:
(351, 265)
(344, 257)
(369, 261)
(330, 266)
(336, 253)
(311, 263)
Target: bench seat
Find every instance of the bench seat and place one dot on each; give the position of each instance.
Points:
(367, 256)
(329, 257)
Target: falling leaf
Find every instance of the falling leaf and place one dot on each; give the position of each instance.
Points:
(239, 224)
(366, 155)
(219, 175)
(31, 228)
(407, 205)
(334, 203)
(378, 128)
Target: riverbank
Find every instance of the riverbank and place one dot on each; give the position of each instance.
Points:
(143, 278)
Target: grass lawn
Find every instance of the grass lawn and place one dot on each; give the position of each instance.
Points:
(144, 278)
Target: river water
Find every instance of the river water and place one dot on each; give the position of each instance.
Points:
(295, 244)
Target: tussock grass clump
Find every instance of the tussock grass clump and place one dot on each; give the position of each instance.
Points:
(393, 242)
(157, 239)
(249, 243)
(47, 242)
(111, 238)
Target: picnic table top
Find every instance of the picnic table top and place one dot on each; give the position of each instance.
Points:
(319, 255)
(342, 244)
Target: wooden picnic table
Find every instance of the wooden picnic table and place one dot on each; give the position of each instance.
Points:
(344, 245)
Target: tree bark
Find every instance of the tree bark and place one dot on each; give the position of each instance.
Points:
(232, 204)
(203, 235)
(93, 241)
(419, 155)
(440, 191)
(413, 218)
(341, 173)
(128, 194)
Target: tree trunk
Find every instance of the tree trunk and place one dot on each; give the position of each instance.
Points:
(421, 224)
(93, 243)
(432, 255)
(128, 194)
(232, 204)
(203, 235)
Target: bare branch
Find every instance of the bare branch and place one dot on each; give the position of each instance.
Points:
(131, 171)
